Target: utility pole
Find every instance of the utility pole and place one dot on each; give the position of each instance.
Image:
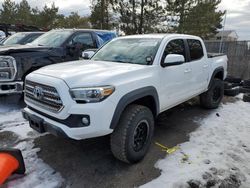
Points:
(141, 17)
(222, 36)
(102, 13)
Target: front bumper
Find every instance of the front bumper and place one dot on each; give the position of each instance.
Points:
(11, 87)
(42, 124)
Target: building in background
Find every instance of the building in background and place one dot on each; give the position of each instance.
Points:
(227, 35)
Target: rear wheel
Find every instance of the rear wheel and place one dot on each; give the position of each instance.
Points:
(213, 97)
(132, 137)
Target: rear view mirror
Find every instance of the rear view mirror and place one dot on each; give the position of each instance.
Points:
(174, 59)
(87, 54)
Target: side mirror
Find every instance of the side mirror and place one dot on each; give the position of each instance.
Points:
(87, 54)
(173, 59)
(70, 49)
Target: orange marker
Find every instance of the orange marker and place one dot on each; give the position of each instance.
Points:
(11, 162)
(8, 165)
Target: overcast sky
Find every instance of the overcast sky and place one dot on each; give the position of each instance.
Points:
(238, 16)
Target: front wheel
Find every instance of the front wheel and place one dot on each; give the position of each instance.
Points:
(213, 97)
(132, 137)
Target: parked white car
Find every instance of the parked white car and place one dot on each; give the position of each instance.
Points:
(122, 89)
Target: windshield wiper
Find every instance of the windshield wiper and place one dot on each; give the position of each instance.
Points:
(115, 61)
(119, 61)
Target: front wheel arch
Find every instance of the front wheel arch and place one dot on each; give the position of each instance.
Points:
(146, 96)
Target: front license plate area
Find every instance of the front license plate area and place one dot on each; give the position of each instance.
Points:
(37, 123)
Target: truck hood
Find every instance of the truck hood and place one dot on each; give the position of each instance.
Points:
(5, 50)
(92, 73)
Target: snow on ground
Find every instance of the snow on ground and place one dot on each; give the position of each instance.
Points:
(38, 174)
(218, 153)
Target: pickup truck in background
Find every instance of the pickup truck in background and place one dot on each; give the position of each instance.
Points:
(122, 89)
(21, 38)
(55, 46)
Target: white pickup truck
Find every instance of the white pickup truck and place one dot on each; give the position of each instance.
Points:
(122, 89)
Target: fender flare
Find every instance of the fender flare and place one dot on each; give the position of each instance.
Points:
(217, 70)
(131, 97)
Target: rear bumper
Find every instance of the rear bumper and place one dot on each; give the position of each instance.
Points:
(11, 87)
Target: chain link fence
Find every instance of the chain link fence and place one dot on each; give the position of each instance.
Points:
(238, 53)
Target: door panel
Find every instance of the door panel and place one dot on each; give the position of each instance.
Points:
(175, 80)
(175, 84)
(199, 66)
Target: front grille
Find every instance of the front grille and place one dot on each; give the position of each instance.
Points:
(48, 97)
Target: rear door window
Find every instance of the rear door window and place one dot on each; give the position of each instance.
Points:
(85, 39)
(195, 49)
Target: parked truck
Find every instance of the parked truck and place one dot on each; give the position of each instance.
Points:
(122, 89)
(53, 47)
(21, 38)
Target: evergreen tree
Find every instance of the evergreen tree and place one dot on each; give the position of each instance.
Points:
(48, 16)
(139, 16)
(203, 19)
(24, 13)
(74, 20)
(177, 11)
(8, 12)
(196, 17)
(101, 14)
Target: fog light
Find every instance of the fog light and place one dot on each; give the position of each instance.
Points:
(85, 121)
(4, 75)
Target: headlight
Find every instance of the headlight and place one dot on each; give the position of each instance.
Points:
(7, 61)
(7, 68)
(91, 95)
(4, 64)
(4, 75)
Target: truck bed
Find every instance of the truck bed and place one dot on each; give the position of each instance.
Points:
(211, 55)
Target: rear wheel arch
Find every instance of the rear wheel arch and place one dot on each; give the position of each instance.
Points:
(217, 74)
(146, 96)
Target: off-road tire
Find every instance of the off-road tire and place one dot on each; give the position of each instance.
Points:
(228, 85)
(246, 84)
(122, 139)
(232, 92)
(244, 90)
(231, 79)
(246, 98)
(208, 100)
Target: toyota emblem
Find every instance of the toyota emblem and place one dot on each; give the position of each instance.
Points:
(38, 92)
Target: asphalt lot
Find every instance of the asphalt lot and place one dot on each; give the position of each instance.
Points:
(89, 163)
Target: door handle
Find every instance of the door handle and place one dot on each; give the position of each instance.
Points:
(187, 71)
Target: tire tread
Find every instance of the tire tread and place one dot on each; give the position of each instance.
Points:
(119, 136)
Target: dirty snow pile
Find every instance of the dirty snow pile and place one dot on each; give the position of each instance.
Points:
(38, 174)
(217, 155)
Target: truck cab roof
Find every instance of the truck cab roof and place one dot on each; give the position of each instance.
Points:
(87, 30)
(162, 36)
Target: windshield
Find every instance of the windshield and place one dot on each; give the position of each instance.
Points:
(52, 38)
(30, 38)
(15, 39)
(133, 50)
